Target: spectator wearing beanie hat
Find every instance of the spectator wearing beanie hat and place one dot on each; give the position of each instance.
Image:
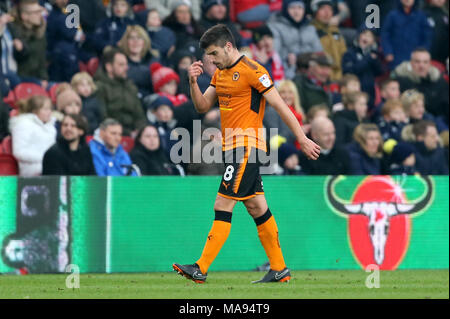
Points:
(165, 83)
(402, 159)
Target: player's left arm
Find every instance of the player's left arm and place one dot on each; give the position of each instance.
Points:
(311, 149)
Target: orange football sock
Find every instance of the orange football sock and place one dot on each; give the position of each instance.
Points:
(268, 235)
(216, 238)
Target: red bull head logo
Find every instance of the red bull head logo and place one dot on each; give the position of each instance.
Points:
(379, 218)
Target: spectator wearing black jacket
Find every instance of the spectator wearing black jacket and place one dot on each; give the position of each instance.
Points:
(430, 156)
(333, 160)
(70, 155)
(438, 20)
(148, 154)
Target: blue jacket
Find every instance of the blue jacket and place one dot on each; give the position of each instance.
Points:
(109, 32)
(361, 163)
(401, 33)
(430, 162)
(107, 164)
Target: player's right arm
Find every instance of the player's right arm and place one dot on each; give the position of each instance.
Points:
(202, 102)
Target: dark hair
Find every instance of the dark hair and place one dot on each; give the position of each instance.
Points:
(80, 122)
(109, 54)
(217, 35)
(141, 131)
(386, 82)
(420, 127)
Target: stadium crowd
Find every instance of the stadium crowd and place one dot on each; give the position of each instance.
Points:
(104, 98)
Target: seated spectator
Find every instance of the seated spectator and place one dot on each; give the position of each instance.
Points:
(109, 31)
(293, 35)
(405, 29)
(437, 15)
(355, 112)
(401, 159)
(333, 42)
(419, 74)
(117, 93)
(288, 92)
(162, 38)
(363, 60)
(250, 11)
(181, 22)
(4, 120)
(430, 156)
(67, 102)
(165, 7)
(333, 160)
(33, 132)
(136, 45)
(70, 155)
(263, 52)
(110, 159)
(348, 84)
(30, 45)
(366, 151)
(165, 83)
(389, 90)
(160, 115)
(91, 108)
(63, 43)
(288, 160)
(393, 120)
(414, 105)
(8, 69)
(215, 12)
(315, 86)
(149, 156)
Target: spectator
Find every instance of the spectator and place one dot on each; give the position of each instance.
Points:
(215, 12)
(8, 64)
(110, 30)
(333, 160)
(110, 159)
(149, 156)
(181, 60)
(251, 12)
(4, 119)
(91, 108)
(293, 35)
(262, 50)
(348, 84)
(93, 11)
(421, 75)
(393, 120)
(288, 92)
(401, 160)
(331, 38)
(162, 38)
(430, 156)
(317, 111)
(67, 102)
(33, 133)
(366, 151)
(438, 19)
(288, 160)
(118, 93)
(30, 45)
(413, 103)
(70, 155)
(363, 60)
(165, 7)
(136, 44)
(405, 29)
(160, 115)
(63, 43)
(165, 83)
(181, 22)
(355, 112)
(315, 86)
(389, 89)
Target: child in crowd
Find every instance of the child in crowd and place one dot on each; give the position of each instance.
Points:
(393, 120)
(165, 83)
(389, 89)
(348, 84)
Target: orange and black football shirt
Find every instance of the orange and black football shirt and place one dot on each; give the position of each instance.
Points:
(240, 88)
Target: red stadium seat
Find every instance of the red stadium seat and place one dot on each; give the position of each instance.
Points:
(25, 90)
(89, 138)
(6, 145)
(8, 165)
(52, 93)
(127, 143)
(441, 67)
(10, 99)
(92, 66)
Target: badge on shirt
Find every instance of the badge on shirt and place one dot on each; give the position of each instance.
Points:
(236, 76)
(264, 79)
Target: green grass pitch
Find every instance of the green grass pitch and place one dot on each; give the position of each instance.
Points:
(339, 284)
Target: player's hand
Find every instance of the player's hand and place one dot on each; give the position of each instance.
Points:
(311, 149)
(194, 71)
